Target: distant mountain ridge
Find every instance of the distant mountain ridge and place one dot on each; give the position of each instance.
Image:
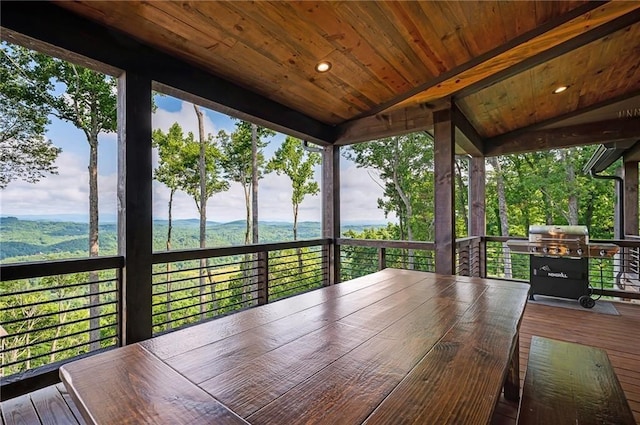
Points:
(33, 240)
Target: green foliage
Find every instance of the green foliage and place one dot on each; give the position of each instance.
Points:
(178, 167)
(405, 169)
(538, 191)
(24, 152)
(236, 152)
(292, 160)
(47, 319)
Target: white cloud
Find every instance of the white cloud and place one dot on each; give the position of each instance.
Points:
(186, 117)
(359, 195)
(64, 193)
(67, 192)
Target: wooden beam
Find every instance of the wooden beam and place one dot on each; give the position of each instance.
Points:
(135, 177)
(556, 138)
(590, 111)
(331, 208)
(631, 198)
(457, 77)
(543, 53)
(392, 123)
(633, 154)
(42, 25)
(444, 191)
(472, 143)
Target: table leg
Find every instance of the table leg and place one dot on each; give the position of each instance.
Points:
(512, 383)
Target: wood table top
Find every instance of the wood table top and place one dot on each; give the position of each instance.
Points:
(396, 346)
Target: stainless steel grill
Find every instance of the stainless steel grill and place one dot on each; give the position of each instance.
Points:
(559, 263)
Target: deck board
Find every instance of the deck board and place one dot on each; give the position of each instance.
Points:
(52, 407)
(20, 411)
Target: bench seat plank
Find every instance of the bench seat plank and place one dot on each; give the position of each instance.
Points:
(141, 390)
(569, 383)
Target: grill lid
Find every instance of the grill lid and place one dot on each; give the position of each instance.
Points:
(559, 234)
(561, 241)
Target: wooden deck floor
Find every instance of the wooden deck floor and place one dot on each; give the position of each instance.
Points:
(618, 335)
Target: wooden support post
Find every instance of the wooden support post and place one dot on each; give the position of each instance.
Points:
(331, 209)
(263, 277)
(631, 198)
(135, 204)
(444, 192)
(477, 210)
(382, 258)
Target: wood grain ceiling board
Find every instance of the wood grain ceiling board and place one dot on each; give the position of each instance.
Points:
(605, 69)
(379, 50)
(517, 53)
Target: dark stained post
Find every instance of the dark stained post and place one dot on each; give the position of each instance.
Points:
(630, 176)
(263, 277)
(444, 192)
(631, 198)
(135, 204)
(331, 209)
(382, 258)
(477, 214)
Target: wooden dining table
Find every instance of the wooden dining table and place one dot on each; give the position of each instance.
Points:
(396, 346)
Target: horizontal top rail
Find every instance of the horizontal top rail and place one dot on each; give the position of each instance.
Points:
(196, 254)
(53, 268)
(379, 243)
(466, 241)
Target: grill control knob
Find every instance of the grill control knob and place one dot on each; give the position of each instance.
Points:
(602, 252)
(568, 251)
(579, 251)
(532, 249)
(545, 249)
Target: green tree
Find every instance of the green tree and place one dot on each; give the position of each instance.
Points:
(24, 152)
(405, 168)
(85, 98)
(292, 160)
(237, 162)
(171, 165)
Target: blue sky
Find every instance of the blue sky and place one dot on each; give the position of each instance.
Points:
(67, 192)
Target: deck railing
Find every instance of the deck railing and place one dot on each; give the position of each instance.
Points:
(53, 312)
(359, 257)
(195, 285)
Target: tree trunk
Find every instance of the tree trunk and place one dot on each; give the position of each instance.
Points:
(254, 202)
(246, 264)
(254, 181)
(203, 212)
(462, 191)
(407, 204)
(168, 278)
(504, 219)
(571, 184)
(94, 286)
(295, 237)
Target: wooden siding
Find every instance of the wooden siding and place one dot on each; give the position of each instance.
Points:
(618, 335)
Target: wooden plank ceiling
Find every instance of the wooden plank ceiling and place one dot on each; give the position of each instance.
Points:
(395, 62)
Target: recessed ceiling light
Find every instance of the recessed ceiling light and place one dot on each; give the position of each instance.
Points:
(323, 66)
(560, 89)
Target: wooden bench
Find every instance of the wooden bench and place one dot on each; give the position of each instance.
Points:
(569, 383)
